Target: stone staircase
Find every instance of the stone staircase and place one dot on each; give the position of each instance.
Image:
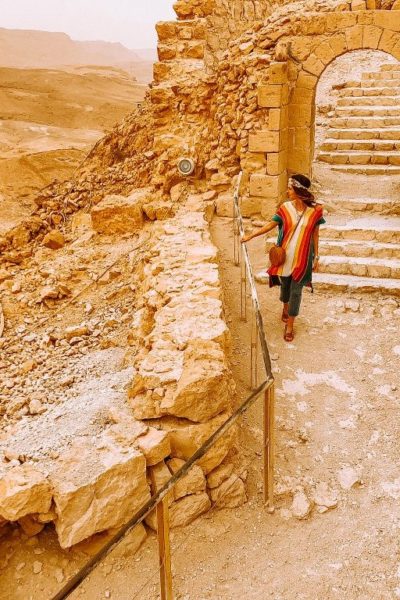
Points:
(364, 132)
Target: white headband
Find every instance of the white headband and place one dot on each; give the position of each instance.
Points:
(296, 184)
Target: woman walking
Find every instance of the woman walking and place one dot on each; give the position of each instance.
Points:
(298, 220)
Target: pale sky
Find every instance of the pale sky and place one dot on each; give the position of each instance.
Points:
(130, 22)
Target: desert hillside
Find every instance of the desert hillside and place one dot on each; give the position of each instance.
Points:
(49, 120)
(24, 49)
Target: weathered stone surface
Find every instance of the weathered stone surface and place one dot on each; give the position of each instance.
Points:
(155, 445)
(230, 494)
(119, 214)
(54, 240)
(94, 492)
(205, 376)
(301, 506)
(218, 476)
(192, 483)
(23, 491)
(188, 437)
(184, 511)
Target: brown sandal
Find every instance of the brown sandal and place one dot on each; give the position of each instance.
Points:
(288, 336)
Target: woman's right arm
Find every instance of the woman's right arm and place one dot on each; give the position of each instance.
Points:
(268, 227)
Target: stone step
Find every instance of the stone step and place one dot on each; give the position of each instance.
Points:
(349, 157)
(379, 76)
(367, 111)
(349, 283)
(361, 266)
(358, 133)
(382, 171)
(359, 205)
(374, 83)
(330, 145)
(368, 83)
(352, 248)
(378, 101)
(387, 90)
(390, 67)
(380, 229)
(364, 122)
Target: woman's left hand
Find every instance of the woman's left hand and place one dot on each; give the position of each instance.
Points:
(315, 265)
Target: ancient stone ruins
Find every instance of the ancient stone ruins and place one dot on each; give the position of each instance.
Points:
(114, 345)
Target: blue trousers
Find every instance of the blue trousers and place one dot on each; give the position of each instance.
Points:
(291, 292)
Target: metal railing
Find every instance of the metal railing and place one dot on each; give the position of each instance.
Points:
(159, 501)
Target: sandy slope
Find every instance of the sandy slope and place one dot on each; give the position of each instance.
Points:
(49, 119)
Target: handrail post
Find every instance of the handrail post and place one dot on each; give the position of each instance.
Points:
(164, 549)
(269, 445)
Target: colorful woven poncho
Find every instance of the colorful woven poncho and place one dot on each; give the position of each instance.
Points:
(298, 246)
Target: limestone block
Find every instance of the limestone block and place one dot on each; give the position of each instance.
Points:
(388, 41)
(265, 141)
(264, 186)
(119, 214)
(276, 162)
(155, 446)
(371, 36)
(325, 52)
(278, 118)
(97, 491)
(301, 115)
(230, 494)
(354, 37)
(396, 5)
(193, 483)
(301, 48)
(184, 511)
(187, 437)
(219, 475)
(337, 21)
(338, 44)
(272, 96)
(205, 376)
(224, 205)
(278, 73)
(250, 206)
(314, 65)
(306, 80)
(23, 491)
(166, 52)
(166, 30)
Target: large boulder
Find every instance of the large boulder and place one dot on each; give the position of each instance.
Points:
(95, 491)
(120, 214)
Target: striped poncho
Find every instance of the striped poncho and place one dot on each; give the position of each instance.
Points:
(298, 246)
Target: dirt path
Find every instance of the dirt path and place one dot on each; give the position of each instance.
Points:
(337, 407)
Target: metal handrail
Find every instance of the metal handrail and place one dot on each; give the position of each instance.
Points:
(266, 387)
(239, 233)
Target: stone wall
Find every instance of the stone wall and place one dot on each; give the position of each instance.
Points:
(91, 474)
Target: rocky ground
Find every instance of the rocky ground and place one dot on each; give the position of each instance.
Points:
(337, 483)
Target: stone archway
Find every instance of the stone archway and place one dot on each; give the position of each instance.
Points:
(288, 90)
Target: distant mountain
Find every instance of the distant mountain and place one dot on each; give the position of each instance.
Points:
(147, 53)
(24, 48)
